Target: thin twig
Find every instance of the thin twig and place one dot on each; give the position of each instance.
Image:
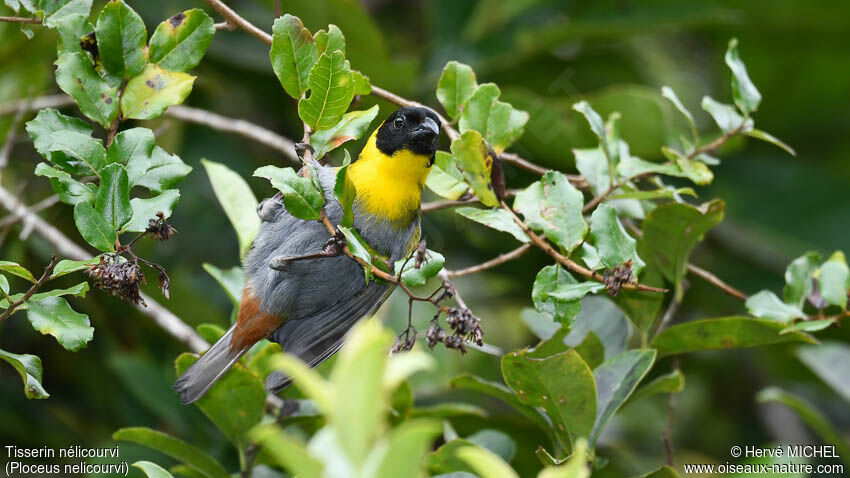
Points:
(436, 205)
(31, 20)
(717, 142)
(45, 276)
(225, 26)
(498, 260)
(716, 282)
(598, 199)
(234, 18)
(9, 143)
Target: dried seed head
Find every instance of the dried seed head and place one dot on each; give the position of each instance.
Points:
(615, 278)
(160, 228)
(119, 277)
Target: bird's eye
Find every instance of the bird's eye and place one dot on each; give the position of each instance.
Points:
(398, 123)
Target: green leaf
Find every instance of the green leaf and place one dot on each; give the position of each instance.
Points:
(69, 190)
(300, 196)
(237, 200)
(293, 54)
(632, 166)
(456, 85)
(498, 122)
(668, 93)
(553, 206)
(67, 266)
(235, 404)
(671, 231)
(53, 315)
(83, 148)
(157, 172)
(664, 193)
(70, 29)
(78, 290)
(835, 280)
(723, 333)
(330, 40)
(362, 85)
(485, 463)
(176, 448)
(345, 192)
(445, 179)
(576, 465)
(352, 126)
(113, 197)
(407, 445)
(673, 382)
(133, 148)
(231, 280)
(150, 93)
(41, 129)
(358, 247)
(808, 325)
(331, 91)
(413, 276)
(725, 116)
(29, 367)
(616, 379)
(472, 156)
(179, 43)
(765, 136)
(445, 463)
(746, 96)
(829, 362)
(121, 37)
(96, 99)
(55, 11)
(287, 451)
(498, 219)
(572, 292)
(766, 305)
(595, 122)
(562, 384)
(152, 470)
(814, 418)
(146, 209)
(16, 269)
(614, 244)
(93, 227)
(548, 279)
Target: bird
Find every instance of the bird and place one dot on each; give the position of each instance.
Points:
(308, 306)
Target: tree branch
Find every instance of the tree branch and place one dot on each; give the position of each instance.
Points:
(44, 278)
(498, 260)
(716, 282)
(32, 20)
(436, 205)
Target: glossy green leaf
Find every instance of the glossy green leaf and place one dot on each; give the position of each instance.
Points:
(150, 93)
(69, 30)
(671, 231)
(572, 292)
(668, 93)
(345, 192)
(158, 172)
(331, 91)
(673, 382)
(69, 190)
(293, 54)
(456, 85)
(549, 279)
(746, 96)
(54, 11)
(472, 155)
(798, 278)
(237, 200)
(41, 129)
(152, 470)
(486, 464)
(112, 201)
(121, 37)
(814, 418)
(632, 166)
(16, 269)
(576, 466)
(53, 316)
(84, 150)
(235, 403)
(287, 451)
(767, 305)
(562, 384)
(616, 379)
(498, 122)
(553, 207)
(362, 84)
(835, 280)
(829, 362)
(498, 219)
(765, 136)
(231, 280)
(133, 148)
(95, 98)
(643, 307)
(414, 276)
(67, 266)
(358, 247)
(78, 290)
(93, 227)
(300, 195)
(179, 43)
(146, 209)
(351, 127)
(808, 326)
(330, 40)
(176, 448)
(726, 117)
(723, 333)
(445, 179)
(614, 244)
(595, 122)
(29, 367)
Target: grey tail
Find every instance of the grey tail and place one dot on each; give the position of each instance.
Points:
(204, 373)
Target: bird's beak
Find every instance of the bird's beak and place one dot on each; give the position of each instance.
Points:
(427, 130)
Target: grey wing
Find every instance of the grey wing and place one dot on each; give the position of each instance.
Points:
(315, 339)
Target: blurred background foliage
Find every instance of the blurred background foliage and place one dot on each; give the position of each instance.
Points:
(545, 55)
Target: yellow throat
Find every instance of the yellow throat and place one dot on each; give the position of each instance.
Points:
(389, 187)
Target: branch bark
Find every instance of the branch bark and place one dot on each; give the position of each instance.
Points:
(44, 277)
(32, 20)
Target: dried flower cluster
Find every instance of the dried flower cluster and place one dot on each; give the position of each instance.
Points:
(617, 276)
(119, 277)
(465, 328)
(159, 228)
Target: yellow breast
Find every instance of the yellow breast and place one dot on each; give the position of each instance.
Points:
(389, 187)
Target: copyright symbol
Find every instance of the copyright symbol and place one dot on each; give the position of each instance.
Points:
(736, 451)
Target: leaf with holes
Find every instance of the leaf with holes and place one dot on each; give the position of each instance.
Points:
(553, 206)
(179, 43)
(331, 91)
(293, 54)
(149, 94)
(351, 127)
